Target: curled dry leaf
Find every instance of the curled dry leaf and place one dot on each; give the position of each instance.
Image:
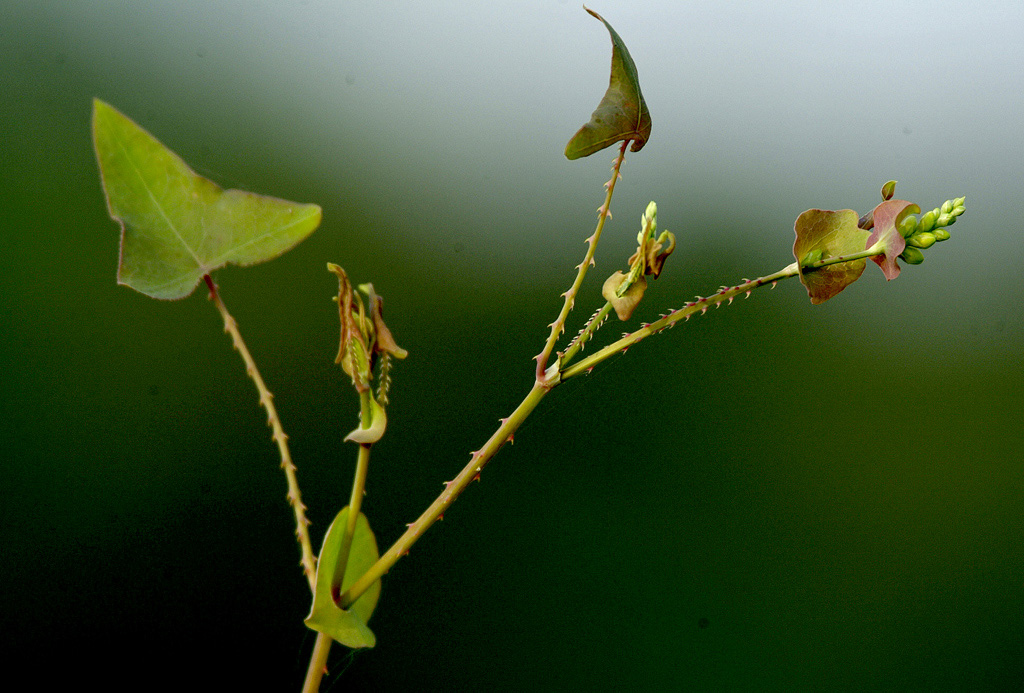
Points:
(622, 113)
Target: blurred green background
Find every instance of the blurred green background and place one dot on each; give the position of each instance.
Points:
(772, 497)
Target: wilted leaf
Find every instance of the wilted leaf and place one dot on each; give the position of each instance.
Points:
(622, 113)
(834, 234)
(888, 216)
(176, 225)
(627, 302)
(347, 626)
(385, 341)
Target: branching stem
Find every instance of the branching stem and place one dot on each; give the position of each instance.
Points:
(544, 383)
(267, 402)
(558, 326)
(540, 388)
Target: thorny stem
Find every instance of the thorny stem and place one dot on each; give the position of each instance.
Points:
(267, 401)
(318, 660)
(542, 386)
(701, 304)
(558, 326)
(587, 333)
(452, 489)
(509, 426)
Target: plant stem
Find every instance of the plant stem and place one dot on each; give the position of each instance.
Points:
(725, 294)
(322, 648)
(558, 326)
(700, 305)
(267, 401)
(587, 333)
(317, 663)
(542, 386)
(452, 489)
(876, 249)
(354, 504)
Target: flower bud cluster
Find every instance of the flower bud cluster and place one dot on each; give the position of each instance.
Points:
(648, 222)
(924, 232)
(624, 291)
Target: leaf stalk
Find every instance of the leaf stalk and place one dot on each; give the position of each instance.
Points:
(273, 420)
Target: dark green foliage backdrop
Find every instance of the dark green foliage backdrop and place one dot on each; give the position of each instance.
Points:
(772, 497)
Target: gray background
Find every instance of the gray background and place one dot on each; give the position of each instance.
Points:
(773, 497)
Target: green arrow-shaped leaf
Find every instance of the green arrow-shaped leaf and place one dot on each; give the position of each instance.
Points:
(622, 113)
(177, 226)
(347, 626)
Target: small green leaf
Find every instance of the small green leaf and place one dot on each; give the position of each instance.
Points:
(622, 113)
(834, 234)
(347, 626)
(177, 226)
(375, 431)
(889, 217)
